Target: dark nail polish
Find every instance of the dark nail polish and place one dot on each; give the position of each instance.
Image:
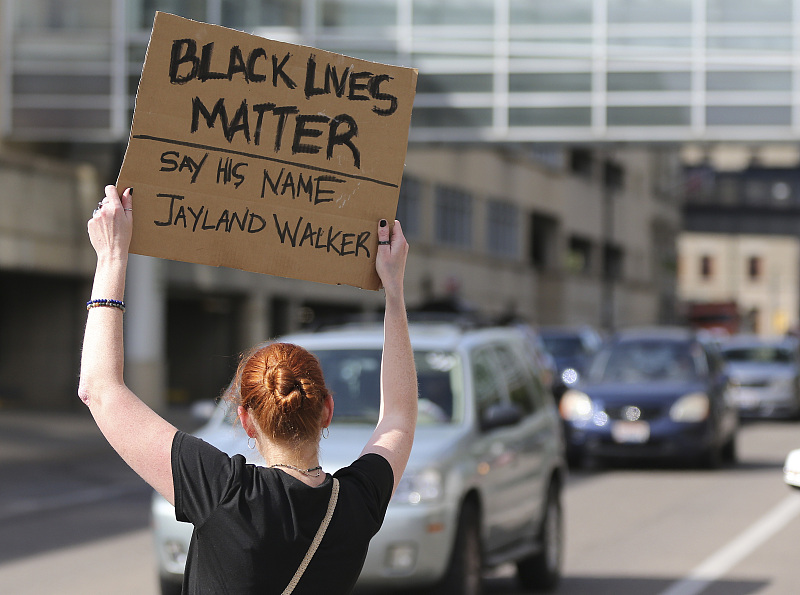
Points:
(383, 223)
(130, 191)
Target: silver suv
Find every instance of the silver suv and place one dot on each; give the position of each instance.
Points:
(483, 485)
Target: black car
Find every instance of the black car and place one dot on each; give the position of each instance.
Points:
(652, 393)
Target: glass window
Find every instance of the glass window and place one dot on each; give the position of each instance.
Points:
(749, 81)
(649, 116)
(706, 266)
(579, 256)
(534, 12)
(754, 268)
(647, 11)
(190, 9)
(355, 13)
(749, 42)
(646, 360)
(502, 228)
(60, 118)
(550, 116)
(453, 12)
(486, 381)
(725, 11)
(66, 84)
(524, 390)
(649, 81)
(759, 353)
(453, 217)
(353, 376)
(409, 207)
(455, 83)
(749, 115)
(37, 15)
(250, 14)
(549, 82)
(544, 241)
(450, 117)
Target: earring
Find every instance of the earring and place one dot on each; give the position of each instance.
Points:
(326, 431)
(253, 445)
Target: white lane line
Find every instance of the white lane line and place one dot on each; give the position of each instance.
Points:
(746, 543)
(60, 501)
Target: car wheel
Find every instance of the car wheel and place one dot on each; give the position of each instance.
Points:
(169, 586)
(542, 572)
(729, 450)
(464, 573)
(712, 458)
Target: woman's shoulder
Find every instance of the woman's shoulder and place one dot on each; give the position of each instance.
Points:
(369, 467)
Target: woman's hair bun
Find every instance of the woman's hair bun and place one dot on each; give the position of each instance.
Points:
(285, 386)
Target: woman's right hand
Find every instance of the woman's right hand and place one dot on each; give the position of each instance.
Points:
(391, 260)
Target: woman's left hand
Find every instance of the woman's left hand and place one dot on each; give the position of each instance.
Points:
(111, 225)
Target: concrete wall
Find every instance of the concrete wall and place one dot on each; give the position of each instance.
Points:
(45, 262)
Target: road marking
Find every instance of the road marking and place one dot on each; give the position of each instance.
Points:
(747, 542)
(60, 501)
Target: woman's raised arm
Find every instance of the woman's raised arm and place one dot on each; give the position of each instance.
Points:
(140, 436)
(394, 434)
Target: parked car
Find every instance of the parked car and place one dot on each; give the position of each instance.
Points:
(652, 393)
(484, 481)
(765, 375)
(572, 348)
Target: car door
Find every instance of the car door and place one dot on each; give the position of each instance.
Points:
(531, 441)
(493, 458)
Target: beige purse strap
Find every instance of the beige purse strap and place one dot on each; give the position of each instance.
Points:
(317, 539)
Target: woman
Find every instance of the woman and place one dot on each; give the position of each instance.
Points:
(254, 526)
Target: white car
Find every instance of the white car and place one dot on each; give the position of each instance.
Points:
(791, 469)
(483, 485)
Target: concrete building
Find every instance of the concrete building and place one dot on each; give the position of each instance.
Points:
(759, 273)
(570, 231)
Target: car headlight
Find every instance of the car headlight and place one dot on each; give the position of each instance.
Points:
(576, 406)
(418, 487)
(570, 376)
(689, 408)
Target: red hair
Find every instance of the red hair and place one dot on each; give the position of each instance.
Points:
(282, 385)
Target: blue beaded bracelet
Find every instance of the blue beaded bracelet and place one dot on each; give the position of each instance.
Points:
(119, 304)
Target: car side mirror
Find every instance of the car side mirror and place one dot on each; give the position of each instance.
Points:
(500, 415)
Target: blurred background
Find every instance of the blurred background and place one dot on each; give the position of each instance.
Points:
(600, 162)
(597, 164)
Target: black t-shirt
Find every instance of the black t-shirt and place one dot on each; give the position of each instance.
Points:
(253, 525)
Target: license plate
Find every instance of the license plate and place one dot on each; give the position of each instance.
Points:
(631, 432)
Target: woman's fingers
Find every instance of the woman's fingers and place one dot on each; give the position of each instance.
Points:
(392, 251)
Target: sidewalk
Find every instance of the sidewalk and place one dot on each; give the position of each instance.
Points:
(35, 435)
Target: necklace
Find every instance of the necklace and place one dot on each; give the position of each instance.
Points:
(307, 472)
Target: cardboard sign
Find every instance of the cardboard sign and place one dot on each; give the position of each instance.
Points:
(264, 156)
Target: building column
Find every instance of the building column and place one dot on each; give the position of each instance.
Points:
(255, 320)
(145, 330)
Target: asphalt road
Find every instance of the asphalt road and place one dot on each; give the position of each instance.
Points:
(74, 520)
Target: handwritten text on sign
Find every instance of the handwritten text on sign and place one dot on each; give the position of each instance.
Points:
(264, 156)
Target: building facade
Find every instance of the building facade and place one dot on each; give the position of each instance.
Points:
(550, 233)
(759, 274)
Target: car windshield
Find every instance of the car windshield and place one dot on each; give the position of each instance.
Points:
(758, 354)
(353, 376)
(643, 361)
(563, 346)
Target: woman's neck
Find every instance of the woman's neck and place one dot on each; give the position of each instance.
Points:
(302, 463)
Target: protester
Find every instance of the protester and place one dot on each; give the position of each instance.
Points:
(256, 528)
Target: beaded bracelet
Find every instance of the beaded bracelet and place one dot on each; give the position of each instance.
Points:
(119, 304)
